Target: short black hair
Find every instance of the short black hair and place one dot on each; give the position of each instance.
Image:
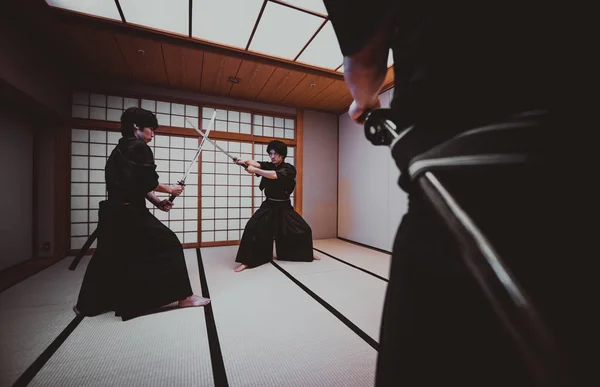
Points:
(137, 116)
(278, 146)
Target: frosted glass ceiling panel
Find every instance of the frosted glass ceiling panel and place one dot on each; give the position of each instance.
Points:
(166, 15)
(102, 8)
(228, 22)
(311, 5)
(283, 31)
(324, 50)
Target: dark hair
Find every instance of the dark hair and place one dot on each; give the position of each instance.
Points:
(278, 146)
(137, 116)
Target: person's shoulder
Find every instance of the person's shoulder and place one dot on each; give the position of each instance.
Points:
(266, 164)
(288, 166)
(135, 143)
(139, 150)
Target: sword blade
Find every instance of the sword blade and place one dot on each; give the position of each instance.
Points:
(205, 137)
(211, 141)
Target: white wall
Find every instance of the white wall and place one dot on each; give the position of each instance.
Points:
(319, 194)
(16, 169)
(370, 203)
(44, 147)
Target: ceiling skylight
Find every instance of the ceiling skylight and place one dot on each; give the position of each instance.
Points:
(311, 5)
(166, 15)
(228, 22)
(324, 50)
(103, 8)
(283, 31)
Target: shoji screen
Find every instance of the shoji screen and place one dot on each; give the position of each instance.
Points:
(269, 126)
(226, 192)
(219, 197)
(172, 155)
(89, 151)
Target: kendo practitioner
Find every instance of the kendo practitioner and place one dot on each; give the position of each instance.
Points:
(139, 264)
(276, 219)
(464, 72)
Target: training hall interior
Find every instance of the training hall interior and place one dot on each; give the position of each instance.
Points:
(268, 70)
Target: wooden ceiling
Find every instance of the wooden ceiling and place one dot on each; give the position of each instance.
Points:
(103, 50)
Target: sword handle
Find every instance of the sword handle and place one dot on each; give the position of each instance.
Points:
(235, 159)
(172, 197)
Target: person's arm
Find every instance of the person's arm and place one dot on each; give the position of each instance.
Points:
(268, 174)
(364, 73)
(142, 156)
(363, 35)
(164, 205)
(174, 189)
(152, 198)
(248, 162)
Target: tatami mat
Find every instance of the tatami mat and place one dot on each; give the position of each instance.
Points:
(358, 296)
(169, 348)
(364, 257)
(273, 334)
(33, 313)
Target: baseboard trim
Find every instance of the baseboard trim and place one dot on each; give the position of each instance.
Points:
(363, 245)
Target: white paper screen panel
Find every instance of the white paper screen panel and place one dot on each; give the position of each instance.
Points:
(172, 156)
(172, 114)
(226, 192)
(249, 123)
(100, 107)
(89, 151)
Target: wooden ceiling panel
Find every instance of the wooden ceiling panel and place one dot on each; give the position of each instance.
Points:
(282, 82)
(253, 78)
(96, 51)
(332, 93)
(110, 52)
(183, 66)
(216, 71)
(339, 105)
(306, 89)
(148, 67)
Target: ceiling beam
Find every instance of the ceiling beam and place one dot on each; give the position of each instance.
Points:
(69, 17)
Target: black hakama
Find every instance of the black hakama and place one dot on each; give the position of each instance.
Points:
(276, 220)
(139, 263)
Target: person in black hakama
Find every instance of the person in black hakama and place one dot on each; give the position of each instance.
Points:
(276, 219)
(139, 263)
(490, 70)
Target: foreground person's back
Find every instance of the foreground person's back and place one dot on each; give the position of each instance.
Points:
(483, 89)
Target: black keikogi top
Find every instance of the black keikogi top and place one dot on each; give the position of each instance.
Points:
(130, 172)
(282, 187)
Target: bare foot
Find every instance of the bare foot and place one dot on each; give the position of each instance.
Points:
(192, 301)
(317, 258)
(240, 268)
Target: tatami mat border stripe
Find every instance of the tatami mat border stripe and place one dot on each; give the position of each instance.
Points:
(351, 265)
(37, 365)
(363, 245)
(368, 339)
(216, 356)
